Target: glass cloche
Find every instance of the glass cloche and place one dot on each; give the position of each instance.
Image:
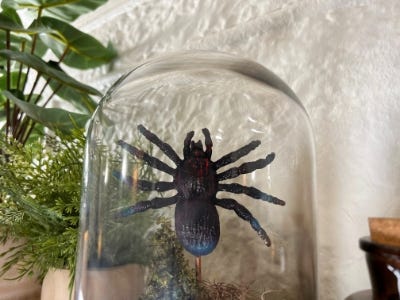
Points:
(198, 184)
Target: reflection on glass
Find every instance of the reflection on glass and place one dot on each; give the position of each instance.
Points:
(199, 184)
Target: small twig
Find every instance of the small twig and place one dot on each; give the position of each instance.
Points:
(198, 269)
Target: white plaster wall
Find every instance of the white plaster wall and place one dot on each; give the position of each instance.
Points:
(342, 59)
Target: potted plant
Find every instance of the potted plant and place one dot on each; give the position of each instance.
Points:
(40, 191)
(37, 42)
(32, 58)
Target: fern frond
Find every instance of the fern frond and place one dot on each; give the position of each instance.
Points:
(40, 189)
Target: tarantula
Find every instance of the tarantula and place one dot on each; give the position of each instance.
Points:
(197, 182)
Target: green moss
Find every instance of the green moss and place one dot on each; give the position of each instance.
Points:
(170, 275)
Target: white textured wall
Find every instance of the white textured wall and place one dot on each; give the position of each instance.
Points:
(342, 58)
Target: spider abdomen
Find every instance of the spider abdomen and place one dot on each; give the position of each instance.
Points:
(197, 226)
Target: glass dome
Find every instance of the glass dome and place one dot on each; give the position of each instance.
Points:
(199, 184)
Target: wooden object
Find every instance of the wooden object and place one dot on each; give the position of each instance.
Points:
(385, 231)
(27, 288)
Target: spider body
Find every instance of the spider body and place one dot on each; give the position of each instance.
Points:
(197, 181)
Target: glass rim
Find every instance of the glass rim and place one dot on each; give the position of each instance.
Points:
(203, 59)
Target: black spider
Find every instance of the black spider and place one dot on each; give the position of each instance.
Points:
(197, 182)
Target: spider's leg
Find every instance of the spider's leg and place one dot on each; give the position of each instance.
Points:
(142, 206)
(246, 215)
(249, 191)
(246, 168)
(164, 147)
(186, 144)
(235, 155)
(150, 160)
(161, 186)
(208, 142)
(144, 185)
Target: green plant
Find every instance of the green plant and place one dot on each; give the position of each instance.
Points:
(34, 49)
(40, 178)
(170, 275)
(221, 290)
(40, 186)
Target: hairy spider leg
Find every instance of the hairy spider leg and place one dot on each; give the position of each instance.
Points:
(246, 215)
(208, 142)
(235, 155)
(160, 186)
(142, 206)
(247, 167)
(145, 185)
(186, 144)
(164, 147)
(150, 160)
(249, 191)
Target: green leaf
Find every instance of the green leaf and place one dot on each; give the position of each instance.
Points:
(8, 24)
(14, 79)
(17, 39)
(54, 118)
(83, 50)
(73, 9)
(9, 4)
(9, 20)
(67, 10)
(47, 70)
(80, 100)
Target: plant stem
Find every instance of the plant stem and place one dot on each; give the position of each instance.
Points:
(16, 109)
(33, 123)
(34, 40)
(38, 75)
(42, 90)
(52, 94)
(66, 50)
(20, 66)
(198, 269)
(22, 128)
(36, 35)
(26, 127)
(8, 83)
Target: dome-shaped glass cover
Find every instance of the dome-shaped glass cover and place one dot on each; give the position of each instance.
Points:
(198, 184)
